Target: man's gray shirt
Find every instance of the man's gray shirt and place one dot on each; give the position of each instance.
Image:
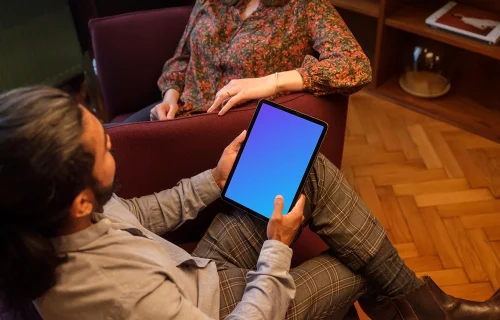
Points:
(112, 274)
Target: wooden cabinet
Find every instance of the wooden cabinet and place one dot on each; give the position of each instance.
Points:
(474, 100)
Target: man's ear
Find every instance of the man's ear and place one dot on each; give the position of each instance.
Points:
(83, 205)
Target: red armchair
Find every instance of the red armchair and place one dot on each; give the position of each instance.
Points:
(130, 51)
(152, 156)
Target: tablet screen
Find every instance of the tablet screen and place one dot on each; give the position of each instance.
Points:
(280, 146)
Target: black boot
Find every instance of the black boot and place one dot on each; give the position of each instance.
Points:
(429, 302)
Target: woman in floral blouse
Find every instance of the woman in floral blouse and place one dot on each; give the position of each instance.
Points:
(233, 51)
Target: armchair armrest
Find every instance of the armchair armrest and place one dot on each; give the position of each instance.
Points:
(152, 156)
(130, 51)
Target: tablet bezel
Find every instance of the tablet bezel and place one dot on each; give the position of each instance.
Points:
(309, 165)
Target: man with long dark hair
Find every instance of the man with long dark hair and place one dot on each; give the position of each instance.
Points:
(79, 252)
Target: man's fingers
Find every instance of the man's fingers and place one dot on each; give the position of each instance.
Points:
(172, 112)
(298, 209)
(301, 202)
(279, 203)
(236, 143)
(239, 139)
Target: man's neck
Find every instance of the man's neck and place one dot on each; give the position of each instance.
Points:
(75, 225)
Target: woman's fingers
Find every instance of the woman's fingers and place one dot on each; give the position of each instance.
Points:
(224, 94)
(218, 101)
(161, 111)
(172, 112)
(230, 103)
(153, 115)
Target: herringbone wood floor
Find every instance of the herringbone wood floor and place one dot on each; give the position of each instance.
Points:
(434, 187)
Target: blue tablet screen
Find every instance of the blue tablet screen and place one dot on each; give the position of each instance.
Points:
(274, 160)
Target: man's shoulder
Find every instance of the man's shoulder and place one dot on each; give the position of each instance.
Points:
(116, 210)
(118, 251)
(82, 291)
(105, 275)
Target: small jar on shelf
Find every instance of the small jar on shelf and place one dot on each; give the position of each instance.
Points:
(425, 74)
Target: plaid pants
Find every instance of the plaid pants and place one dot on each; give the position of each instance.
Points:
(327, 285)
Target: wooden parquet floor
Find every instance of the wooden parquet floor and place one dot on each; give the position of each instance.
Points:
(434, 187)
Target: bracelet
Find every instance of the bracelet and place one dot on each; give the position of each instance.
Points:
(277, 81)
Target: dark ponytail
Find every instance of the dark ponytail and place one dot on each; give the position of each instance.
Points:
(30, 255)
(43, 166)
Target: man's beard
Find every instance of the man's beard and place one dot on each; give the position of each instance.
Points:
(103, 194)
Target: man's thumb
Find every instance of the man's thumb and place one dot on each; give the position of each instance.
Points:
(279, 203)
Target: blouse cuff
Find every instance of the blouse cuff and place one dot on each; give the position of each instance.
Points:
(308, 69)
(164, 89)
(305, 78)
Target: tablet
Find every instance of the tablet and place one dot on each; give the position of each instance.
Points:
(275, 158)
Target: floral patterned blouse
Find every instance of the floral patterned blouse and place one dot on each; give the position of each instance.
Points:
(304, 35)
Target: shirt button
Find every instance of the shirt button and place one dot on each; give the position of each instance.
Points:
(107, 221)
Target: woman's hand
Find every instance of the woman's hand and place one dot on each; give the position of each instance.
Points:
(241, 90)
(167, 109)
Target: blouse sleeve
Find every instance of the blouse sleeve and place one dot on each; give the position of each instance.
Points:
(342, 66)
(174, 70)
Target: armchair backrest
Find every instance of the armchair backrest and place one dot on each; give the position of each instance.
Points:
(152, 156)
(130, 51)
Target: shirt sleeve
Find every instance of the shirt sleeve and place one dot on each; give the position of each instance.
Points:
(169, 209)
(166, 302)
(268, 292)
(270, 288)
(342, 66)
(174, 70)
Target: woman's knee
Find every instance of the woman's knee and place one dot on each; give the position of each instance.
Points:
(141, 115)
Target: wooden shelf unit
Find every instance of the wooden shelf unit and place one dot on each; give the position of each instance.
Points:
(367, 7)
(454, 108)
(473, 103)
(411, 18)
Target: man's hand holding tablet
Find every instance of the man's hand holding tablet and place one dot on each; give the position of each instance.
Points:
(284, 227)
(280, 227)
(273, 158)
(226, 161)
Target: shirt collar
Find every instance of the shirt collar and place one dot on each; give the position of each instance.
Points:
(75, 241)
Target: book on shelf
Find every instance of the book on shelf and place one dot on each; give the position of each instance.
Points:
(468, 21)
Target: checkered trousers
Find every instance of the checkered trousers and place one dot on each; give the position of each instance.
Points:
(327, 285)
